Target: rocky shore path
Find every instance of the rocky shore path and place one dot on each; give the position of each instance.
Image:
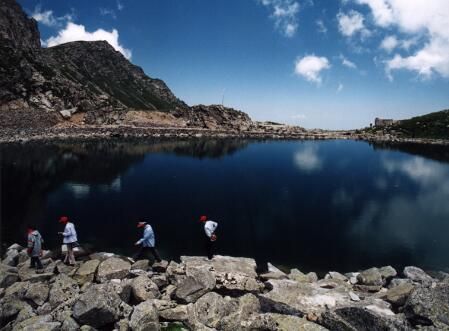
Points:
(105, 291)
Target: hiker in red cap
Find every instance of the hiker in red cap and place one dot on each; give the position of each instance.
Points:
(146, 243)
(70, 239)
(211, 237)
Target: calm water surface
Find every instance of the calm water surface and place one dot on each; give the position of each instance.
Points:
(340, 205)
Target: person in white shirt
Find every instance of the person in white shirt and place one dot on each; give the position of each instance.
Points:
(147, 243)
(211, 237)
(70, 239)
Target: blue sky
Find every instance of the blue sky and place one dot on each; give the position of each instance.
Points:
(333, 64)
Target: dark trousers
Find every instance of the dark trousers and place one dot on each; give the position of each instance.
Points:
(36, 262)
(144, 252)
(209, 246)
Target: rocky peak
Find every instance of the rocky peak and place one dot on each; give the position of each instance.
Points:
(16, 27)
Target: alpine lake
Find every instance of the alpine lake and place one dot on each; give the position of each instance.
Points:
(314, 205)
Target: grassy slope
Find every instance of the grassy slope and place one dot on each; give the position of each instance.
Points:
(433, 125)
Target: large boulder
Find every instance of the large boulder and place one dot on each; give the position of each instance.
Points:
(198, 282)
(99, 306)
(143, 288)
(62, 289)
(398, 295)
(113, 268)
(10, 308)
(8, 275)
(357, 318)
(210, 309)
(86, 272)
(231, 273)
(145, 317)
(279, 322)
(38, 323)
(387, 273)
(37, 293)
(17, 290)
(11, 257)
(370, 277)
(429, 306)
(417, 275)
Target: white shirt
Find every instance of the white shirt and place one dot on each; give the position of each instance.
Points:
(69, 234)
(210, 228)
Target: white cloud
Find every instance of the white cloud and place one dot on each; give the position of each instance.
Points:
(347, 63)
(351, 23)
(321, 27)
(47, 17)
(340, 87)
(307, 159)
(108, 12)
(285, 15)
(389, 43)
(310, 67)
(120, 5)
(426, 19)
(75, 32)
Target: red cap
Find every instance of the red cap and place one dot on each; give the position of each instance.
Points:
(63, 219)
(141, 224)
(203, 218)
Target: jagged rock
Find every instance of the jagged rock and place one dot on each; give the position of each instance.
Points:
(64, 310)
(98, 306)
(69, 324)
(144, 317)
(123, 289)
(113, 268)
(336, 275)
(37, 293)
(300, 277)
(429, 306)
(387, 273)
(45, 309)
(16, 247)
(86, 272)
(11, 258)
(62, 289)
(361, 318)
(211, 308)
(279, 322)
(122, 325)
(241, 309)
(177, 313)
(141, 265)
(28, 274)
(38, 323)
(17, 290)
(399, 281)
(199, 281)
(417, 275)
(8, 275)
(143, 288)
(11, 307)
(370, 277)
(160, 280)
(273, 273)
(160, 266)
(62, 268)
(398, 295)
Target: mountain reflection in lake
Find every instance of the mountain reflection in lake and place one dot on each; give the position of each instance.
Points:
(340, 205)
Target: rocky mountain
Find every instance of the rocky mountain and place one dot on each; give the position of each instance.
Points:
(44, 86)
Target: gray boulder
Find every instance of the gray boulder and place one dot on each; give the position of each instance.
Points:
(141, 265)
(17, 290)
(198, 282)
(300, 277)
(86, 272)
(62, 289)
(10, 308)
(357, 318)
(143, 288)
(113, 268)
(387, 273)
(37, 293)
(417, 275)
(279, 322)
(38, 323)
(273, 273)
(210, 309)
(100, 305)
(336, 275)
(8, 275)
(370, 277)
(160, 266)
(11, 258)
(145, 317)
(398, 295)
(429, 306)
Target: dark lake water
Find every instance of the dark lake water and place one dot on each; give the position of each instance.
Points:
(327, 205)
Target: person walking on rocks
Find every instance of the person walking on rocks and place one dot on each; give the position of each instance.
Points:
(70, 239)
(146, 243)
(211, 237)
(34, 248)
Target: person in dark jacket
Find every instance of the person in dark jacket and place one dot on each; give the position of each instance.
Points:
(147, 243)
(34, 248)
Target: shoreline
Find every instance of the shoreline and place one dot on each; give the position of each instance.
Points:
(55, 134)
(109, 291)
